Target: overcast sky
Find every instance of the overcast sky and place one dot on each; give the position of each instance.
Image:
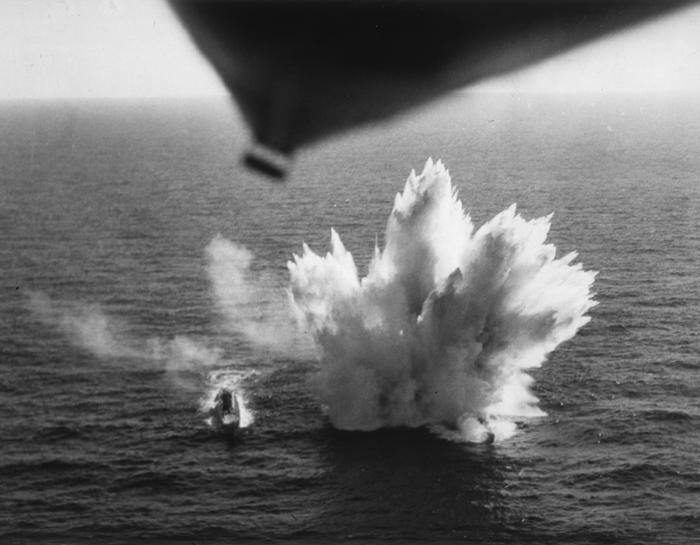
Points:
(132, 48)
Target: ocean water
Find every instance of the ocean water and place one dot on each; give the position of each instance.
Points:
(113, 334)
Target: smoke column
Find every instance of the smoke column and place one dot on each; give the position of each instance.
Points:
(447, 322)
(106, 337)
(254, 305)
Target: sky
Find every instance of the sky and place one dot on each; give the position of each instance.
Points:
(137, 48)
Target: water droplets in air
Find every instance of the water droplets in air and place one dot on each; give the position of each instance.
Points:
(448, 320)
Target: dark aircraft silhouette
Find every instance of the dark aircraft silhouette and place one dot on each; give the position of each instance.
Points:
(301, 70)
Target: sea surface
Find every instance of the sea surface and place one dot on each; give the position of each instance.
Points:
(111, 338)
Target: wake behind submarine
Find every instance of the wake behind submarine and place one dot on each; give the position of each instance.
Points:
(301, 70)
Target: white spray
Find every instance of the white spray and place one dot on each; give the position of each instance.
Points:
(445, 325)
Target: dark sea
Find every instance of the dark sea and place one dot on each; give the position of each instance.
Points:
(109, 332)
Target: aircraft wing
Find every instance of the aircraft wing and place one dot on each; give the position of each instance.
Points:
(302, 69)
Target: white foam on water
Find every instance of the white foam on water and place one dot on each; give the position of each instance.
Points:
(233, 381)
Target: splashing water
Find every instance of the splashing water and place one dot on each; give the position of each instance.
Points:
(445, 325)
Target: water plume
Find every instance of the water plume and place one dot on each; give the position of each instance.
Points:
(254, 304)
(447, 322)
